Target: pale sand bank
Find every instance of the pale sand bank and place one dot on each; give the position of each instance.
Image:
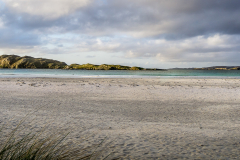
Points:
(144, 118)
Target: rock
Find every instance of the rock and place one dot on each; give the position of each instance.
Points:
(32, 84)
(14, 61)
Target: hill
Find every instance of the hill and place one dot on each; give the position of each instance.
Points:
(14, 61)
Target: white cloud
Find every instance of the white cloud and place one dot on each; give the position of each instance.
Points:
(216, 48)
(18, 51)
(49, 9)
(216, 40)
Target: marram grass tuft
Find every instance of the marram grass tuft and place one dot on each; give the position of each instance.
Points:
(35, 146)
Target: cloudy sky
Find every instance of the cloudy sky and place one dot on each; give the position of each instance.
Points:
(146, 33)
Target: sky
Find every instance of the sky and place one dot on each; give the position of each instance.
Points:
(145, 33)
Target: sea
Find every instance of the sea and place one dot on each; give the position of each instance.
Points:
(170, 73)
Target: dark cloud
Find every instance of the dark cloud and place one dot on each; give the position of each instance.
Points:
(13, 35)
(154, 18)
(17, 38)
(166, 19)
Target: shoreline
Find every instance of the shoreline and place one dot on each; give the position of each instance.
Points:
(117, 76)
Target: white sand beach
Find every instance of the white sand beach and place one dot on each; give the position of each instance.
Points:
(143, 118)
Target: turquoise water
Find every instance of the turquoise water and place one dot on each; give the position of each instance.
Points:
(6, 73)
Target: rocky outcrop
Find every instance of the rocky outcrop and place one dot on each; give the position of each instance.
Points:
(14, 61)
(101, 67)
(89, 66)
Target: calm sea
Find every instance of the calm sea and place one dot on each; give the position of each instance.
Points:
(15, 73)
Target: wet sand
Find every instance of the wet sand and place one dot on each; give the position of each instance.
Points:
(143, 118)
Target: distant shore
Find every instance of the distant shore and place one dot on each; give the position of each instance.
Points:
(28, 62)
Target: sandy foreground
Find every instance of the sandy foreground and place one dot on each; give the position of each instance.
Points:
(142, 118)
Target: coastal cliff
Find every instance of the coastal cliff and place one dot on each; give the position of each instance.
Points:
(14, 61)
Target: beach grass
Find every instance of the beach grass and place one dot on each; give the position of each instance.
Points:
(38, 146)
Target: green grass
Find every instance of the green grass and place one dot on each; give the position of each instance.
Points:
(36, 146)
